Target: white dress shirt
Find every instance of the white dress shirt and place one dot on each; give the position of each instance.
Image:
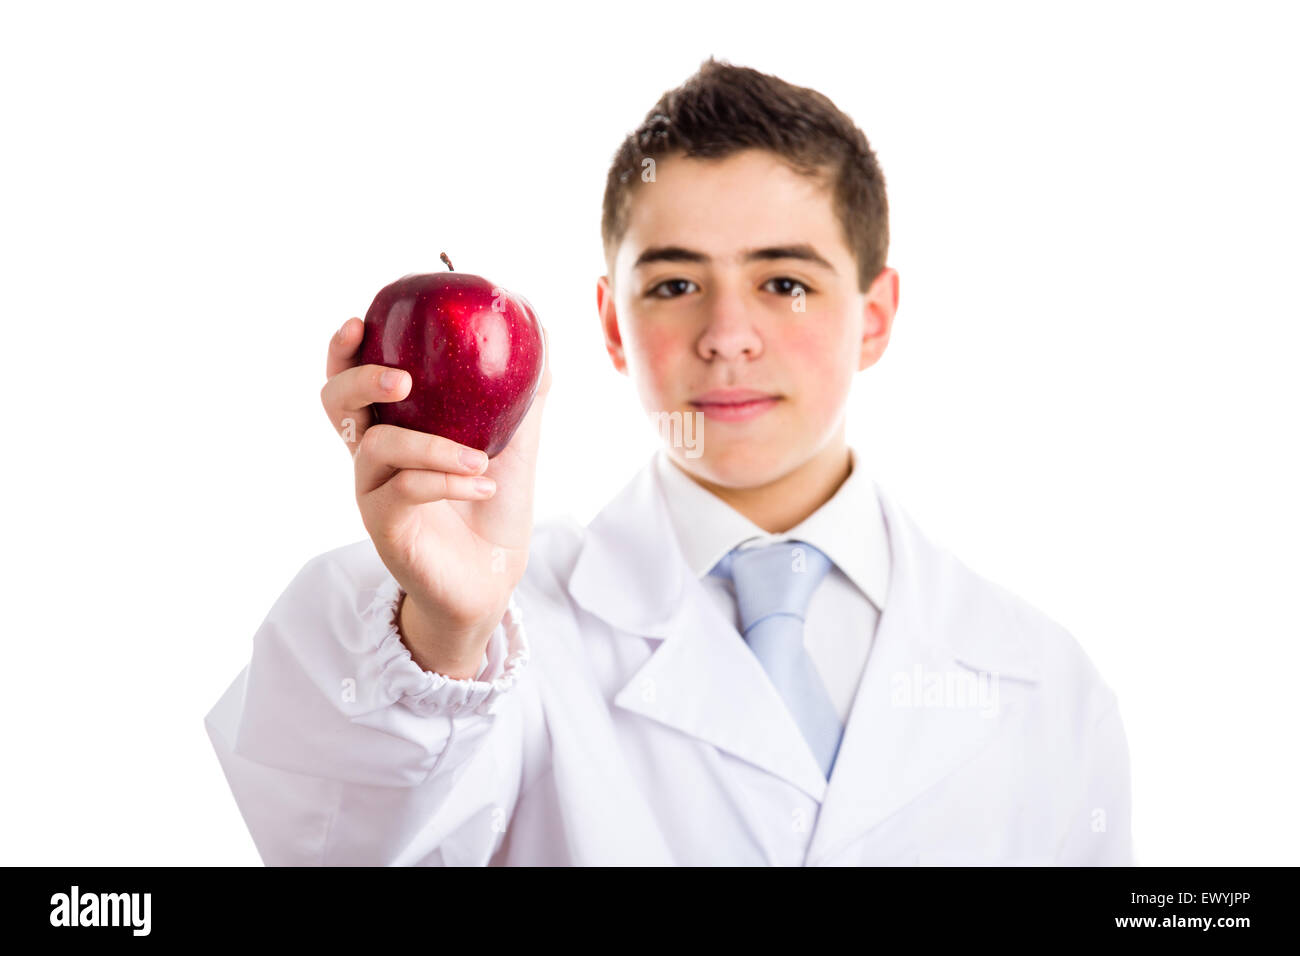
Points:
(849, 529)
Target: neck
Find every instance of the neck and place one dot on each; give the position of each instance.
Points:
(780, 505)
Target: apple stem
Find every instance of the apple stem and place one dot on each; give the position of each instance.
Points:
(448, 261)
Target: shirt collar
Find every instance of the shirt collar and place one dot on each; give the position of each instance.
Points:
(849, 528)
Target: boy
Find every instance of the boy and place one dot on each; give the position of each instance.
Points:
(750, 656)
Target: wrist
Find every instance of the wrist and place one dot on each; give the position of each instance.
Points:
(456, 653)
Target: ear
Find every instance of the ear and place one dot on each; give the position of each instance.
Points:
(878, 316)
(609, 323)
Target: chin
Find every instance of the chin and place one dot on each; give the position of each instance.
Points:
(738, 464)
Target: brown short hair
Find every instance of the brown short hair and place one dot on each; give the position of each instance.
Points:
(723, 109)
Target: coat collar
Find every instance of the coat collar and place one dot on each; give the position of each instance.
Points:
(939, 620)
(848, 528)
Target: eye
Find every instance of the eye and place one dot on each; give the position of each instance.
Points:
(675, 283)
(787, 283)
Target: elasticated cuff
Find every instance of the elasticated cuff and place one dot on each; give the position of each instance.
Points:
(428, 693)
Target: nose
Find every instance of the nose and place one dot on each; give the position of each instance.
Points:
(729, 332)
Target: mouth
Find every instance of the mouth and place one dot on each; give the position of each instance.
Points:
(734, 404)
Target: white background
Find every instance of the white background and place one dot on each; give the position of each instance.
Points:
(1090, 395)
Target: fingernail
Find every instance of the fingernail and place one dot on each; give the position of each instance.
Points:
(473, 459)
(484, 486)
(339, 333)
(389, 380)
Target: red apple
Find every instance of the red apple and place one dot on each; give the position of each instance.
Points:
(474, 352)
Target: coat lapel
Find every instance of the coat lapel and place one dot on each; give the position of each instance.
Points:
(942, 635)
(702, 679)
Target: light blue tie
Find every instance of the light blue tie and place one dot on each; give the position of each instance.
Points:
(774, 584)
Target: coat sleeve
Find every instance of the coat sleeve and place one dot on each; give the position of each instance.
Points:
(1099, 829)
(340, 750)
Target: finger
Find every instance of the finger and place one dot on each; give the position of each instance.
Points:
(344, 347)
(387, 449)
(414, 486)
(349, 394)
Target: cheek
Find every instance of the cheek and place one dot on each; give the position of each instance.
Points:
(655, 352)
(820, 361)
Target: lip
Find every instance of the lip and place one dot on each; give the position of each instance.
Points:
(730, 396)
(734, 404)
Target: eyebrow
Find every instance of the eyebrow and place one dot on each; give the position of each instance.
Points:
(801, 250)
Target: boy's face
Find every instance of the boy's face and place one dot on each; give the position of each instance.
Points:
(722, 310)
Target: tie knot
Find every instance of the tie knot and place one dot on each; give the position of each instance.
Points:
(773, 579)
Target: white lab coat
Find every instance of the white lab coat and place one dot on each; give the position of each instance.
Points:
(642, 730)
